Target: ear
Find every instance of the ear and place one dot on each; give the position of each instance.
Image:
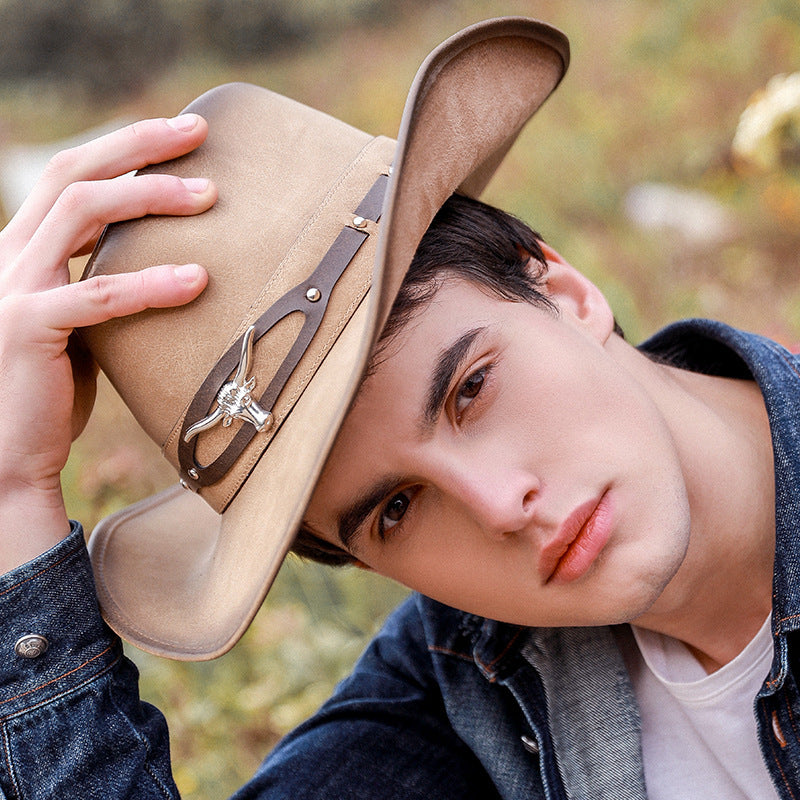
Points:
(576, 295)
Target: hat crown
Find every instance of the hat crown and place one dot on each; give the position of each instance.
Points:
(289, 179)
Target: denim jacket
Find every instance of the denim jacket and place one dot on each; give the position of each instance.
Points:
(442, 704)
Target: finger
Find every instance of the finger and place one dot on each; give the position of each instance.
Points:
(84, 207)
(130, 148)
(106, 297)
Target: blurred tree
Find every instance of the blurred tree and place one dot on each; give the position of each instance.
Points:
(101, 47)
(110, 48)
(241, 29)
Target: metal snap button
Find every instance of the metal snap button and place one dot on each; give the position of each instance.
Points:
(531, 745)
(32, 645)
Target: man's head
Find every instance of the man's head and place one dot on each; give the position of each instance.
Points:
(469, 240)
(501, 453)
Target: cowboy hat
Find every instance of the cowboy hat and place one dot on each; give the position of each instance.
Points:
(245, 388)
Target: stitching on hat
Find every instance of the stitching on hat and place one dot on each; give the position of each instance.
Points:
(305, 233)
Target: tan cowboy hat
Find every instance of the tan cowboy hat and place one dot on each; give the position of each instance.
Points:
(245, 388)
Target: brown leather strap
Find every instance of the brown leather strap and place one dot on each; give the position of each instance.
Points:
(324, 278)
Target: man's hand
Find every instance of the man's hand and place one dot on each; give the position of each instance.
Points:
(47, 383)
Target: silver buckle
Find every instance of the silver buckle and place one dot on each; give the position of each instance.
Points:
(234, 400)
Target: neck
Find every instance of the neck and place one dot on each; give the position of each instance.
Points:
(722, 592)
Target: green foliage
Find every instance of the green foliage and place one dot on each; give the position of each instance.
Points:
(105, 47)
(109, 48)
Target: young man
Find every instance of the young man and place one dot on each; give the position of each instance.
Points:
(602, 538)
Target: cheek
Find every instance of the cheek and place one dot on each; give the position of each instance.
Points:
(440, 557)
(586, 404)
(453, 561)
(568, 412)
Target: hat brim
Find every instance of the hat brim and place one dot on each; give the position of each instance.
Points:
(177, 579)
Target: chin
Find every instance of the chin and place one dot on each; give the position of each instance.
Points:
(646, 591)
(646, 567)
(632, 587)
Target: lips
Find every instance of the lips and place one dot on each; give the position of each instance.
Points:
(578, 542)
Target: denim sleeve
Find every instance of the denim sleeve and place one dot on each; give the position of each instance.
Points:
(71, 722)
(384, 734)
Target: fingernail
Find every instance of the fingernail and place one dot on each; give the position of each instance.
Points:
(195, 185)
(188, 273)
(185, 122)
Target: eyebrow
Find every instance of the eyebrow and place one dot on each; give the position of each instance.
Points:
(450, 360)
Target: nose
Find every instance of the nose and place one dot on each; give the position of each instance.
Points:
(500, 498)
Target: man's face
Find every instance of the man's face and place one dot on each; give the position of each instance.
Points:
(506, 461)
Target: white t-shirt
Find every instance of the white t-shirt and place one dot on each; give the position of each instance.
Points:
(698, 730)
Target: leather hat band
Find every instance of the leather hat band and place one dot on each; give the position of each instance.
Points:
(222, 398)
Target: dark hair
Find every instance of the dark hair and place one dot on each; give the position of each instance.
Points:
(467, 239)
(471, 240)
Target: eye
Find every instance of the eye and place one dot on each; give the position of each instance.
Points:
(393, 511)
(469, 390)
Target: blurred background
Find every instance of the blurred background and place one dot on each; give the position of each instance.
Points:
(667, 167)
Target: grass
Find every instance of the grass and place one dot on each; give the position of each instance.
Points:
(653, 94)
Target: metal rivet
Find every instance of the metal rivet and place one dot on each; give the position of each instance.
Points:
(32, 645)
(359, 222)
(313, 294)
(531, 745)
(193, 473)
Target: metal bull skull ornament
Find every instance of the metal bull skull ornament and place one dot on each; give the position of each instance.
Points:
(234, 400)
